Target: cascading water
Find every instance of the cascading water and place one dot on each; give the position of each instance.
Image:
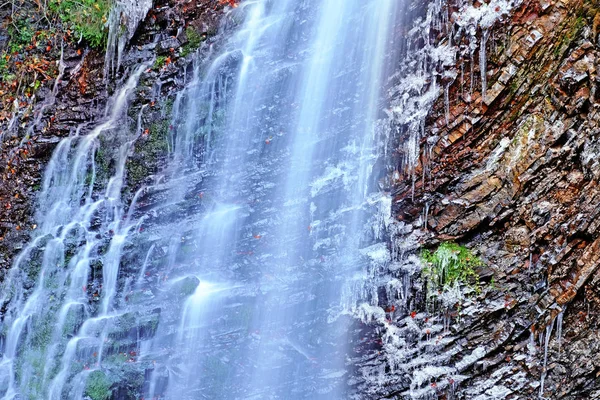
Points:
(241, 278)
(39, 317)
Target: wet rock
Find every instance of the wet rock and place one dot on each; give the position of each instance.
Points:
(519, 186)
(518, 236)
(168, 45)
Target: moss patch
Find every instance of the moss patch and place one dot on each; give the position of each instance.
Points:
(450, 265)
(98, 386)
(570, 36)
(148, 149)
(194, 41)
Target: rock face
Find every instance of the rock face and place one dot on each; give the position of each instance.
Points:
(511, 171)
(513, 175)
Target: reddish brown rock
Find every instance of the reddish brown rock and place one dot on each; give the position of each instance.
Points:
(519, 186)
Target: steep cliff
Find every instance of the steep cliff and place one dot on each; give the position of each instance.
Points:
(496, 148)
(512, 173)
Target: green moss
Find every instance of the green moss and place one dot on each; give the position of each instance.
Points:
(219, 119)
(136, 172)
(41, 336)
(448, 266)
(33, 268)
(98, 386)
(34, 361)
(169, 106)
(73, 321)
(4, 67)
(102, 162)
(570, 36)
(157, 140)
(153, 323)
(188, 286)
(150, 147)
(194, 41)
(514, 86)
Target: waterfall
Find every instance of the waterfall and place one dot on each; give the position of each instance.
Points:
(262, 233)
(38, 315)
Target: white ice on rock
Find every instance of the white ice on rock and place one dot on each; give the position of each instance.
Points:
(123, 21)
(472, 19)
(416, 87)
(420, 83)
(485, 15)
(280, 135)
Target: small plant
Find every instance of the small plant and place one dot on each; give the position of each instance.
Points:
(4, 64)
(448, 267)
(98, 386)
(21, 33)
(194, 40)
(86, 17)
(160, 62)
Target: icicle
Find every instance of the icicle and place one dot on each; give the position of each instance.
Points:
(447, 103)
(546, 343)
(559, 326)
(462, 79)
(472, 63)
(123, 20)
(531, 345)
(483, 63)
